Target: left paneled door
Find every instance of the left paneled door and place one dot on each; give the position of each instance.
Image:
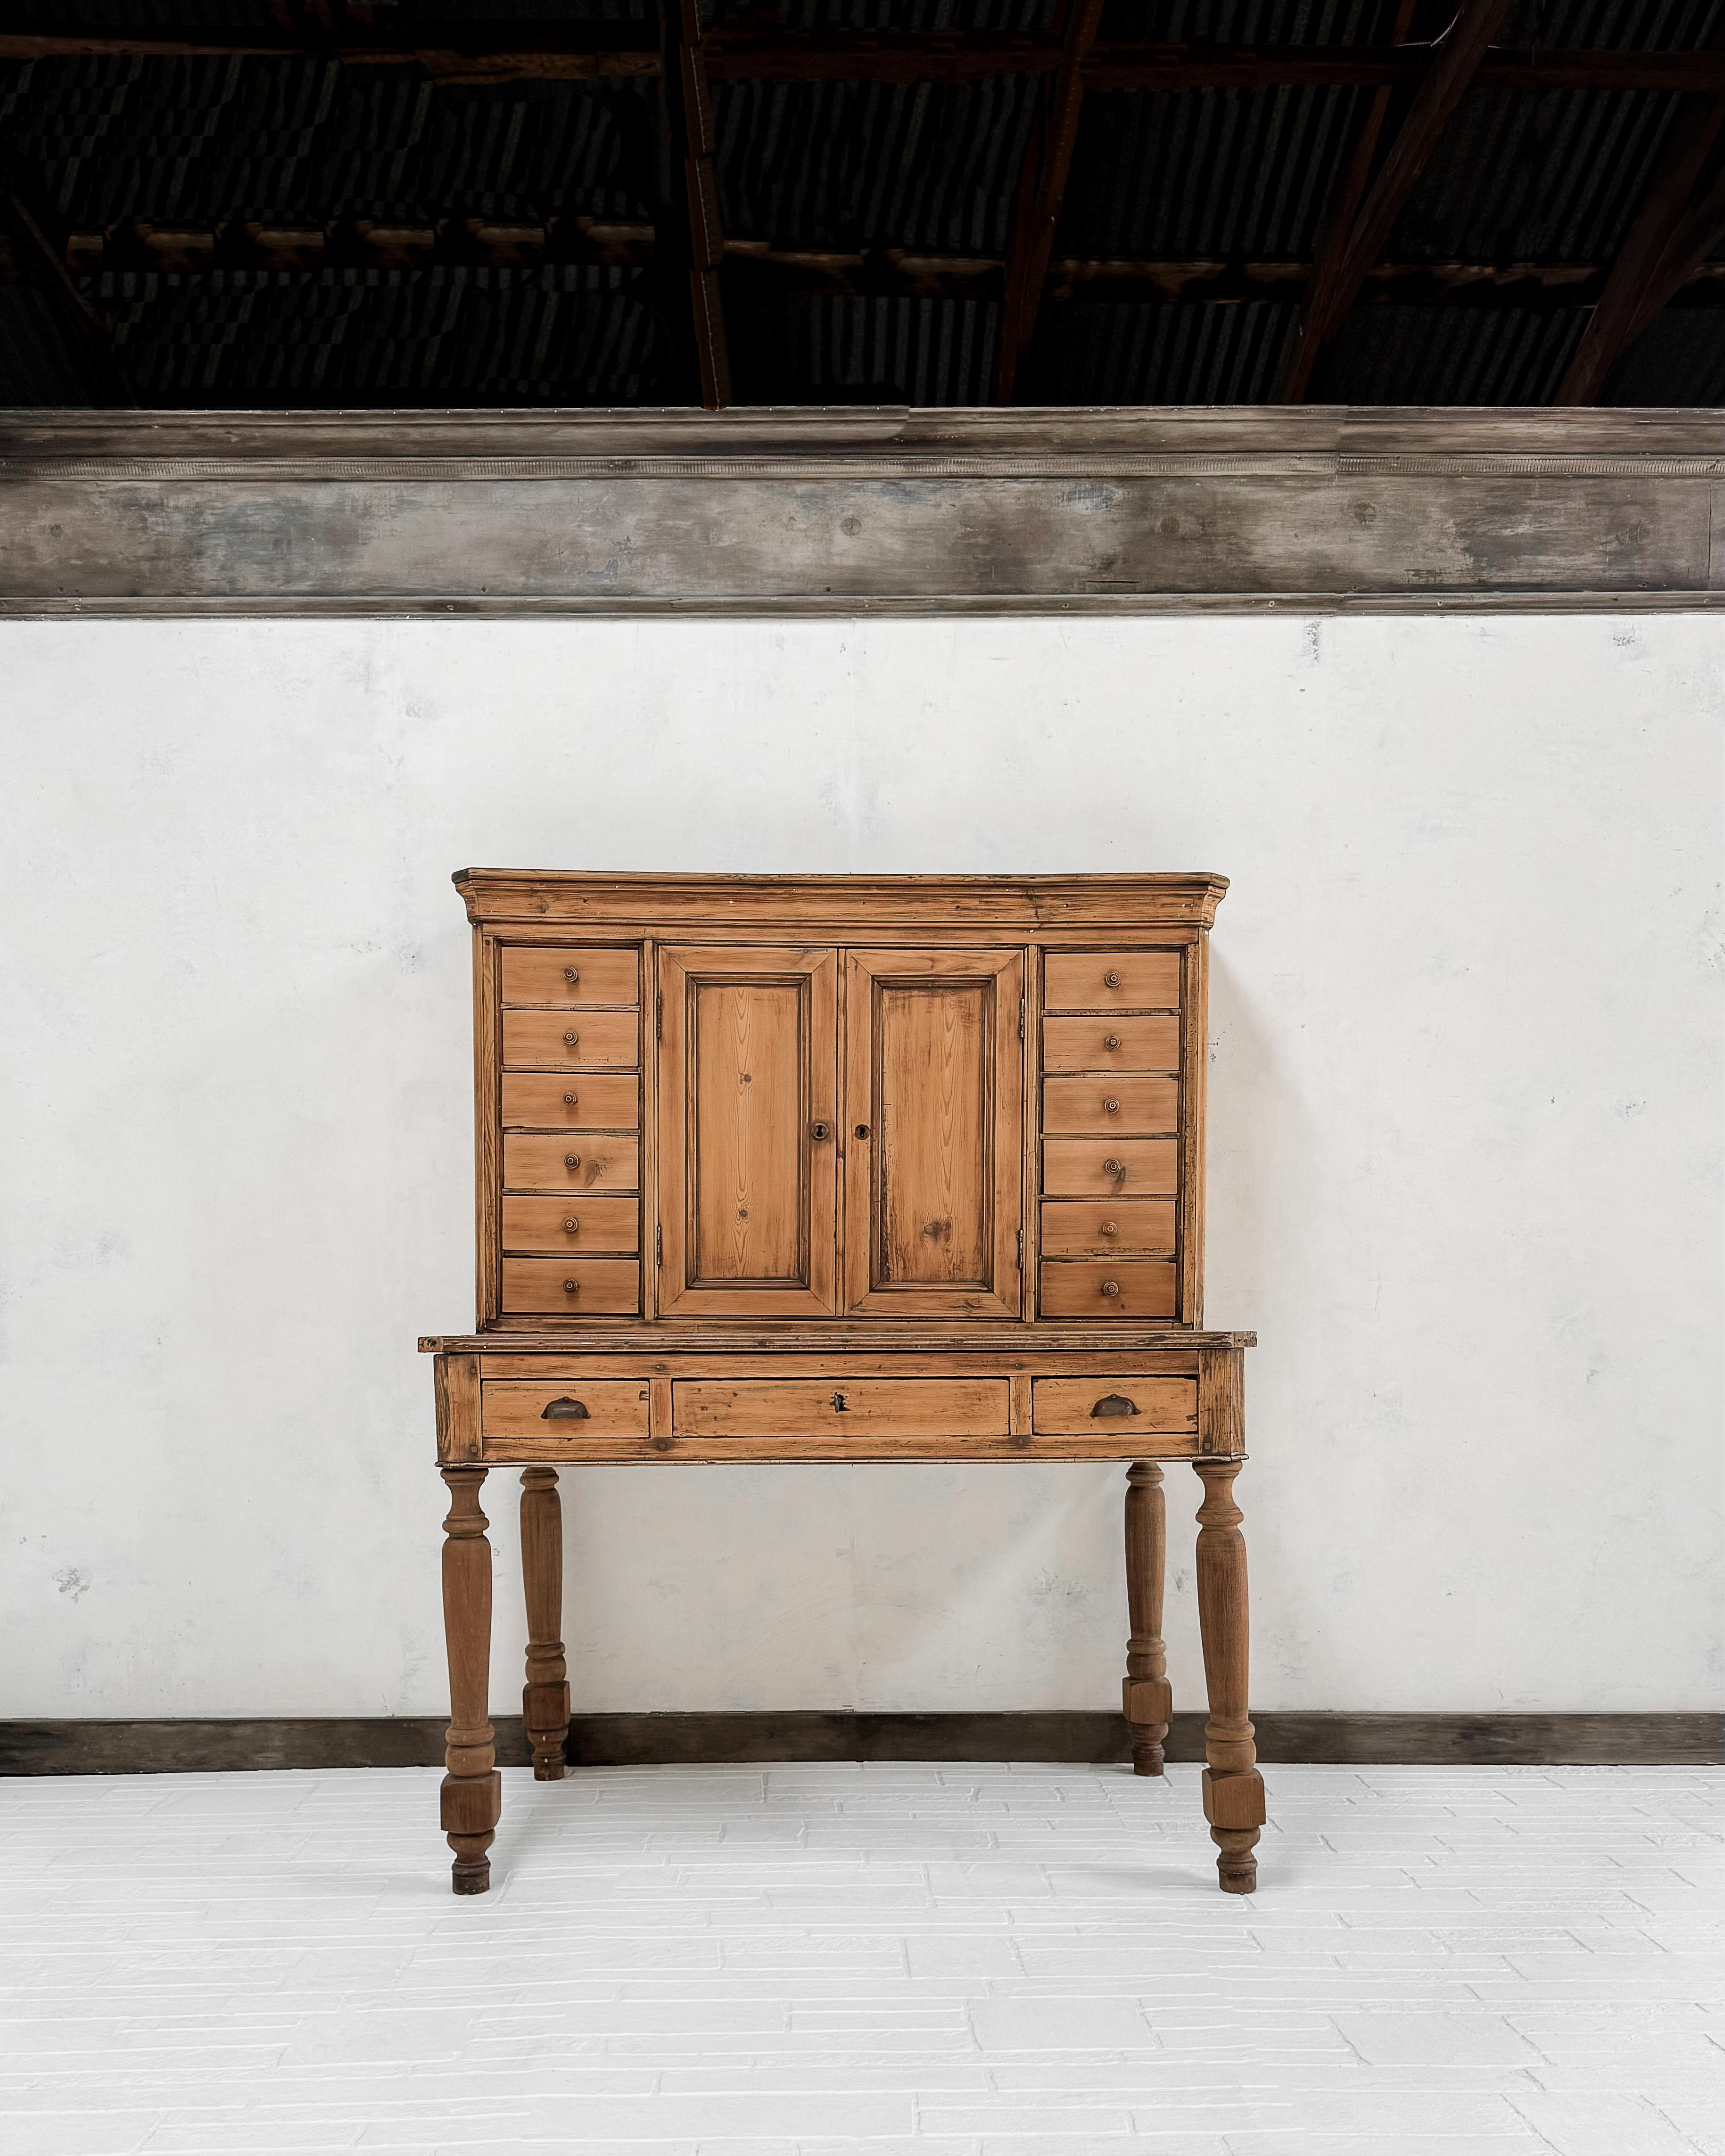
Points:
(748, 1083)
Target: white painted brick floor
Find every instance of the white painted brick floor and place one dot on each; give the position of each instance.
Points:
(891, 1960)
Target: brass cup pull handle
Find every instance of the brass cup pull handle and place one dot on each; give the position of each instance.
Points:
(570, 1040)
(820, 1130)
(1109, 1287)
(1114, 1167)
(571, 974)
(564, 1410)
(1111, 979)
(1113, 1407)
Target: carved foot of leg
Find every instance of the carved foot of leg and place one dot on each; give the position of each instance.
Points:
(1233, 1806)
(471, 1807)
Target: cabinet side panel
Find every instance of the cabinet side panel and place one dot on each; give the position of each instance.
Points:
(1194, 1067)
(487, 1131)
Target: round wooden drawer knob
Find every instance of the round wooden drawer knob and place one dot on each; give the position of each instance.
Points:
(1110, 1228)
(1112, 1107)
(572, 1287)
(1113, 1168)
(571, 974)
(1111, 979)
(570, 1040)
(1109, 1287)
(1113, 1041)
(569, 1099)
(572, 1227)
(571, 1160)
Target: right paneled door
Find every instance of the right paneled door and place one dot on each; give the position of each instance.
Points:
(933, 1136)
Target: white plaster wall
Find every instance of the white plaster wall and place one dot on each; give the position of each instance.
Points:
(1464, 1168)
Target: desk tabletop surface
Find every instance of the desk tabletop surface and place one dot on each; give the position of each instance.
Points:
(709, 1338)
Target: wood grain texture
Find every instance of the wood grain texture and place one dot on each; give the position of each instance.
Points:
(1109, 1168)
(1112, 981)
(571, 1040)
(570, 1286)
(456, 1384)
(932, 1119)
(576, 1227)
(472, 1794)
(1110, 1045)
(1106, 1107)
(615, 1407)
(865, 1408)
(748, 1110)
(1127, 1288)
(1147, 1698)
(545, 1696)
(184, 1745)
(571, 1162)
(542, 974)
(1075, 1407)
(591, 1100)
(1109, 1228)
(837, 513)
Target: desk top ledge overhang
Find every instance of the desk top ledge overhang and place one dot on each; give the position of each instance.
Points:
(850, 512)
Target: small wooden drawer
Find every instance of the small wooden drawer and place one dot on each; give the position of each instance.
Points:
(574, 1225)
(577, 1161)
(1144, 1287)
(840, 1407)
(1110, 1043)
(1111, 980)
(1109, 1168)
(1109, 1228)
(1086, 1407)
(594, 1102)
(556, 1040)
(575, 1287)
(602, 1407)
(570, 977)
(1106, 1105)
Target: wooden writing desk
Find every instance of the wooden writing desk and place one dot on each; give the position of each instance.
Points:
(840, 1168)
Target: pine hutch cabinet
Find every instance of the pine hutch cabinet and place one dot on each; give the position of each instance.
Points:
(840, 1168)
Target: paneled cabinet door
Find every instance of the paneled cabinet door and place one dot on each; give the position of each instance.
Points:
(748, 1143)
(934, 1117)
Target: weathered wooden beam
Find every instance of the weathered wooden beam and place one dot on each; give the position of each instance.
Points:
(1454, 63)
(1042, 188)
(699, 236)
(744, 50)
(1657, 254)
(1332, 245)
(43, 263)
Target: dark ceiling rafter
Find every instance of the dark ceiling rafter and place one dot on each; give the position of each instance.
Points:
(44, 265)
(1453, 64)
(1332, 246)
(1673, 234)
(700, 239)
(1042, 188)
(750, 50)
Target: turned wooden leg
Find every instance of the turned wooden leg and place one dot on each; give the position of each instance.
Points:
(1233, 1787)
(473, 1790)
(1145, 1693)
(545, 1696)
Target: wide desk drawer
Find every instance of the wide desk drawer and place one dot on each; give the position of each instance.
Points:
(1080, 1407)
(565, 1411)
(840, 1407)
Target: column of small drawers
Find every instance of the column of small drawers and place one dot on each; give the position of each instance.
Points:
(1110, 1120)
(571, 1035)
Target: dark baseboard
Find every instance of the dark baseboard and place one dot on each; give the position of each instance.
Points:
(640, 1740)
